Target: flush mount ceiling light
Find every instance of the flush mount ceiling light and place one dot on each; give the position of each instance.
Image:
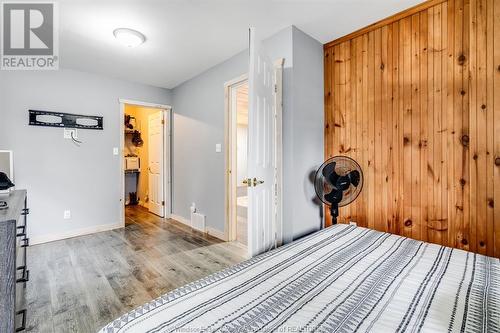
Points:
(129, 37)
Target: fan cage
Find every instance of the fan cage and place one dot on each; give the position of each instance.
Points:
(326, 187)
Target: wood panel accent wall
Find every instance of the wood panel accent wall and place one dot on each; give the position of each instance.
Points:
(415, 99)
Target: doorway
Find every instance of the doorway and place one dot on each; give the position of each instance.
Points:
(239, 108)
(145, 158)
(236, 143)
(238, 180)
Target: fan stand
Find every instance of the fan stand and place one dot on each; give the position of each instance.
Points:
(334, 212)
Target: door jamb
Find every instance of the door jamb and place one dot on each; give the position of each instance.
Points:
(230, 152)
(167, 157)
(278, 151)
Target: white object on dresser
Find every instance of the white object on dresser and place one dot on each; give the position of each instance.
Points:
(7, 167)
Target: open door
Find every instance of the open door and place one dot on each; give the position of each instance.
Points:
(261, 134)
(156, 164)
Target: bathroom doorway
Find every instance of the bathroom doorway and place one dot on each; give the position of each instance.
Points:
(240, 110)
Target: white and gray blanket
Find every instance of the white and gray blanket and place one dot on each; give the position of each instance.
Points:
(341, 279)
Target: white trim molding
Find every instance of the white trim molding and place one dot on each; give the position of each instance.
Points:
(181, 219)
(216, 233)
(278, 150)
(208, 230)
(73, 233)
(145, 104)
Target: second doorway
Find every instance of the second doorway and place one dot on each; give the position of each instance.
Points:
(146, 166)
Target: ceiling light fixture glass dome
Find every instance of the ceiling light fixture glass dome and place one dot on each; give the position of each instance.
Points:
(129, 37)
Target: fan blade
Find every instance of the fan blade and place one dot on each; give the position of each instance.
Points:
(355, 177)
(328, 169)
(330, 174)
(343, 183)
(334, 197)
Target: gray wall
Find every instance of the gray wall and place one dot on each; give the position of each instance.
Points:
(198, 106)
(58, 174)
(305, 135)
(198, 125)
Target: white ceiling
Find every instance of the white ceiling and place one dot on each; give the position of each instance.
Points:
(186, 37)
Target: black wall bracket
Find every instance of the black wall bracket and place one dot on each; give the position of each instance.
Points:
(58, 119)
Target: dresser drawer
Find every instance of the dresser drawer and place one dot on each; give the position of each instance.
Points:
(20, 320)
(22, 244)
(21, 303)
(14, 272)
(22, 271)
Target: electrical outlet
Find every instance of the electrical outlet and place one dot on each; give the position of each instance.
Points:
(218, 148)
(115, 151)
(67, 214)
(69, 131)
(353, 223)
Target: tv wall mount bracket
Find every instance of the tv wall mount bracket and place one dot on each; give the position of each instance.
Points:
(59, 119)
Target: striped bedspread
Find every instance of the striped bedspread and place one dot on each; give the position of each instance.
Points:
(341, 279)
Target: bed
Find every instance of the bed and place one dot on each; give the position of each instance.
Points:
(341, 279)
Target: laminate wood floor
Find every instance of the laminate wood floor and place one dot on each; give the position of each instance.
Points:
(81, 284)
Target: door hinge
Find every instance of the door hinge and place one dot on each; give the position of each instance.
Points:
(163, 203)
(163, 122)
(275, 88)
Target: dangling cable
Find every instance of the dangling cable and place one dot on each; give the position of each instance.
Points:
(75, 140)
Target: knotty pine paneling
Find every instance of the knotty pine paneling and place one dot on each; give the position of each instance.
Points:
(415, 99)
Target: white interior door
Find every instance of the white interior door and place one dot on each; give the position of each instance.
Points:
(261, 133)
(156, 167)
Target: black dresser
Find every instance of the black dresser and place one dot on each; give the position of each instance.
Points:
(14, 273)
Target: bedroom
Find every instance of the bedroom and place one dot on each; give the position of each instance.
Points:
(410, 93)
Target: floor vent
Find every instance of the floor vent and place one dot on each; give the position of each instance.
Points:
(198, 221)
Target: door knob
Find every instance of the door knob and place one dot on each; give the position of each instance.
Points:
(247, 182)
(257, 182)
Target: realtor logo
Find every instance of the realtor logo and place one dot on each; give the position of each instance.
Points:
(29, 36)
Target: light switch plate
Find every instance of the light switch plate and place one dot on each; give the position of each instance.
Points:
(115, 151)
(67, 214)
(218, 148)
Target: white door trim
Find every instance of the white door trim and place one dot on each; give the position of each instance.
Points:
(167, 115)
(230, 154)
(145, 104)
(278, 149)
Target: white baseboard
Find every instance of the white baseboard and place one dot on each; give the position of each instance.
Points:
(73, 233)
(212, 232)
(181, 219)
(216, 233)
